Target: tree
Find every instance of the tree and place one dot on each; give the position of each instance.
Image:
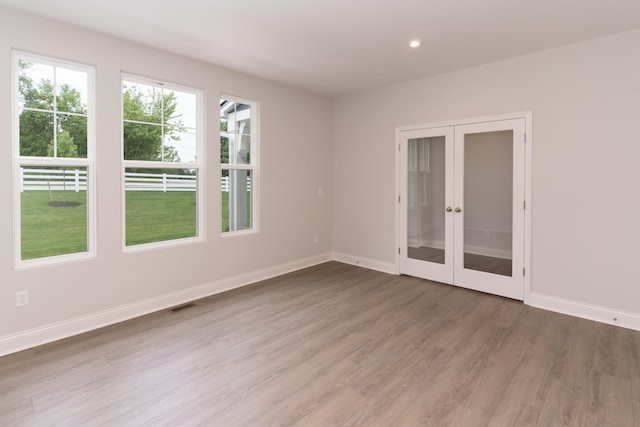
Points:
(224, 143)
(146, 116)
(37, 128)
(64, 146)
(149, 117)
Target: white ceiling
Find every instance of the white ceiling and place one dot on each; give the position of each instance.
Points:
(334, 47)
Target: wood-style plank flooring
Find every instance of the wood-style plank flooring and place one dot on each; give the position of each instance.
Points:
(484, 263)
(333, 345)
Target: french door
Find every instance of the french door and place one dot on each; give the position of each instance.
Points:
(462, 205)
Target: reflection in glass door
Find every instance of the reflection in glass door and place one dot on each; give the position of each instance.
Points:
(488, 202)
(426, 199)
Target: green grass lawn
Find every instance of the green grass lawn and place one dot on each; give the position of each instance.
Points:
(153, 216)
(150, 217)
(48, 231)
(225, 211)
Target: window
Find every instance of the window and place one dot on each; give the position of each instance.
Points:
(53, 161)
(162, 162)
(238, 159)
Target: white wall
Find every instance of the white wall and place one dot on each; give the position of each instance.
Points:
(585, 100)
(295, 161)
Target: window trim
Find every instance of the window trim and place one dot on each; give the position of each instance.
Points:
(18, 161)
(200, 166)
(253, 167)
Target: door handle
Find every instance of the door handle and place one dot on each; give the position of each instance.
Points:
(448, 209)
(458, 210)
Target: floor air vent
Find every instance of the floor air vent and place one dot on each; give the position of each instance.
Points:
(182, 307)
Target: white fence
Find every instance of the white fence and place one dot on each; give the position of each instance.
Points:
(76, 180)
(54, 179)
(159, 182)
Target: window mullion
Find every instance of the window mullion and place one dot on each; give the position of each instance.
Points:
(55, 113)
(162, 123)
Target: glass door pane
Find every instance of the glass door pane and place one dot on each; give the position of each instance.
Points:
(426, 199)
(488, 202)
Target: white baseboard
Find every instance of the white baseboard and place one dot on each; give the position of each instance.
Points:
(56, 331)
(481, 250)
(437, 244)
(371, 264)
(586, 311)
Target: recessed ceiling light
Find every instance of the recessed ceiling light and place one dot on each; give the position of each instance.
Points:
(414, 43)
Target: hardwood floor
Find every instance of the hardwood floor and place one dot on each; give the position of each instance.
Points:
(333, 345)
(484, 263)
(426, 253)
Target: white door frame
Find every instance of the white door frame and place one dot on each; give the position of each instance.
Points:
(527, 116)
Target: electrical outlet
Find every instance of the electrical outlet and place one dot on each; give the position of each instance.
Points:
(22, 298)
(486, 233)
(315, 238)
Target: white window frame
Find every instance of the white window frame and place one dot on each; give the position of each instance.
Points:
(19, 161)
(199, 165)
(253, 167)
